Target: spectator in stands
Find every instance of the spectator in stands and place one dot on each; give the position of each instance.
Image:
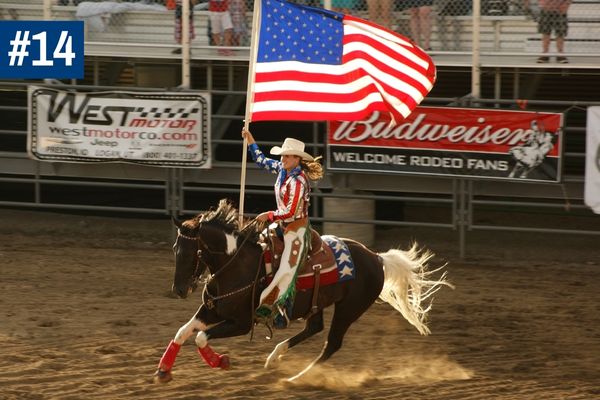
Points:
(553, 17)
(178, 23)
(420, 22)
(237, 9)
(447, 23)
(220, 23)
(380, 12)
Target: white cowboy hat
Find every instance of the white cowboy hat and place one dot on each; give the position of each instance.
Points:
(292, 147)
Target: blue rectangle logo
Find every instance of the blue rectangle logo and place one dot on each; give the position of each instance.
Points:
(41, 49)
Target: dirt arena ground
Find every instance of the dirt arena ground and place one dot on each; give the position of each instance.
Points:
(86, 314)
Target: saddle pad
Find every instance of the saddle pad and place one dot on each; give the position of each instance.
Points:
(344, 270)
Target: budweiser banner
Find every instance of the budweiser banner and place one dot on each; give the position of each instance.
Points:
(592, 160)
(457, 142)
(165, 129)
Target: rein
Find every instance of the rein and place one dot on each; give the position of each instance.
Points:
(210, 303)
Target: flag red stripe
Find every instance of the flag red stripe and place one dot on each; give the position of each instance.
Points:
(293, 75)
(314, 97)
(312, 115)
(333, 97)
(404, 75)
(322, 97)
(401, 58)
(398, 92)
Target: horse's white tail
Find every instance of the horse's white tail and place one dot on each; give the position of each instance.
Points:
(408, 287)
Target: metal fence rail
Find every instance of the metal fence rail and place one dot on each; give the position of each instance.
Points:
(170, 191)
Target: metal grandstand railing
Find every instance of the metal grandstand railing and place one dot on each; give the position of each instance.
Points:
(126, 188)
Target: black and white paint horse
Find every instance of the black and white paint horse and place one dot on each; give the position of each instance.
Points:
(212, 241)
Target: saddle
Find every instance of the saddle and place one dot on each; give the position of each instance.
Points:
(328, 262)
(320, 257)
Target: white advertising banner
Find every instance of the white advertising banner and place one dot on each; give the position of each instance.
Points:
(592, 160)
(155, 128)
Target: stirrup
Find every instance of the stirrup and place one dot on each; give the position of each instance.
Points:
(266, 320)
(263, 311)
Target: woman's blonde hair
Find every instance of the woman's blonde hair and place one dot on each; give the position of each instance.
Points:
(313, 169)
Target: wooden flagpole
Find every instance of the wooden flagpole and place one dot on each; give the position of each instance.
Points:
(249, 100)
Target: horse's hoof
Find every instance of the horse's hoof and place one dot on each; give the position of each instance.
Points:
(271, 361)
(162, 376)
(225, 362)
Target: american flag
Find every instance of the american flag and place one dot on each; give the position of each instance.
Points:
(316, 64)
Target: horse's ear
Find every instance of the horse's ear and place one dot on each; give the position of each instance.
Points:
(177, 222)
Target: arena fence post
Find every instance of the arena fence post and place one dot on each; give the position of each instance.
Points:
(461, 217)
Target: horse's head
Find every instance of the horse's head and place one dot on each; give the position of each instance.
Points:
(188, 252)
(207, 241)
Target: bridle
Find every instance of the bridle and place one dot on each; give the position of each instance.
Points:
(198, 240)
(210, 303)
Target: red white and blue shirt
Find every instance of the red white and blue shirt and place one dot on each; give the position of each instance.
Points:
(292, 190)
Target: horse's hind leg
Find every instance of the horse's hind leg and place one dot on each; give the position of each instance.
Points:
(313, 325)
(346, 312)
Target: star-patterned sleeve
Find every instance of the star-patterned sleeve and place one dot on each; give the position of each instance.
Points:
(263, 162)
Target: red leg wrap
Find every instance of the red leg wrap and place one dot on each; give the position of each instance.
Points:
(168, 358)
(212, 358)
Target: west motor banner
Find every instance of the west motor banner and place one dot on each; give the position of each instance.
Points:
(165, 129)
(458, 142)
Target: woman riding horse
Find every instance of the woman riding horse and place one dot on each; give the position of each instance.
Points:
(216, 242)
(292, 193)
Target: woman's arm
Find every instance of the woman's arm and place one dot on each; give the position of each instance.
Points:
(259, 158)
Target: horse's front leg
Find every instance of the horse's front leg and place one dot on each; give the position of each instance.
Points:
(163, 373)
(224, 329)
